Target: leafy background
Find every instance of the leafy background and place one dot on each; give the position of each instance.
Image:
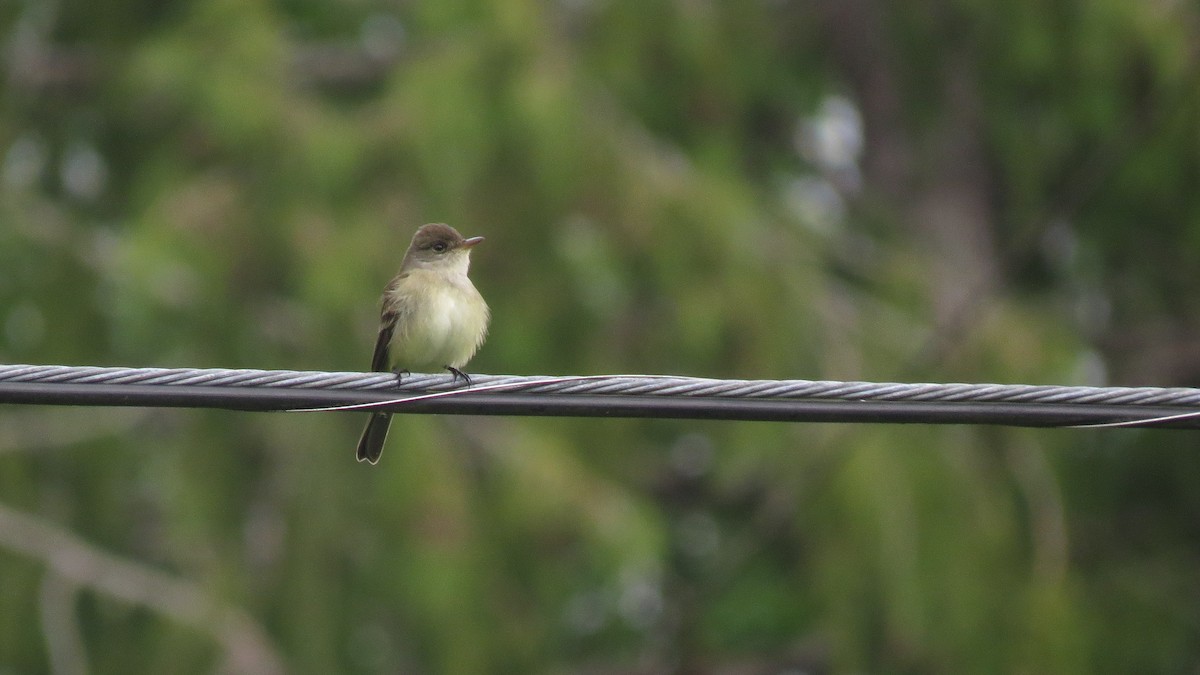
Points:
(948, 190)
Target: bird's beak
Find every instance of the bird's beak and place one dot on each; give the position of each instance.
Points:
(468, 243)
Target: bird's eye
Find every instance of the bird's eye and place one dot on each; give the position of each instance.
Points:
(439, 246)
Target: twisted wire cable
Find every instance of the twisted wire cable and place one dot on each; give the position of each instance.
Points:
(604, 396)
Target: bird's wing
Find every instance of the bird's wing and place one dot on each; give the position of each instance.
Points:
(380, 360)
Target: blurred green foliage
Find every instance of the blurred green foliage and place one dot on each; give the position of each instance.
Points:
(943, 190)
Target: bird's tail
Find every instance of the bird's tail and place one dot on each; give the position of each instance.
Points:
(370, 446)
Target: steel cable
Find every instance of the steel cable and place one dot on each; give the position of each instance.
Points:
(604, 396)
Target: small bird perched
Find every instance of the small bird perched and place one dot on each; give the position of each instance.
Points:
(432, 317)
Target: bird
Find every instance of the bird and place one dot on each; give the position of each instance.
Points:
(431, 316)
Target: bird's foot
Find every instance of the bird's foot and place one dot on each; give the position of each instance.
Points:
(459, 374)
(400, 373)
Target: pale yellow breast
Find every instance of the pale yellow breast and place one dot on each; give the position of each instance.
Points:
(441, 321)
